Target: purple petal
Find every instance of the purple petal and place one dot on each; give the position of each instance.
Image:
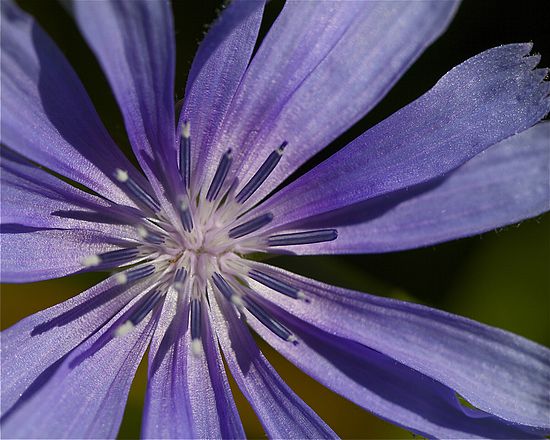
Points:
(323, 66)
(47, 115)
(477, 104)
(33, 345)
(29, 254)
(379, 384)
(134, 43)
(86, 396)
(281, 412)
(188, 396)
(32, 197)
(216, 73)
(503, 185)
(498, 372)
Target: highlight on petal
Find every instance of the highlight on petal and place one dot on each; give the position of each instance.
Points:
(86, 396)
(280, 411)
(505, 184)
(496, 371)
(479, 103)
(321, 67)
(47, 115)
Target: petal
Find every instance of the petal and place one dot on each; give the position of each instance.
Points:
(217, 70)
(379, 384)
(477, 104)
(188, 396)
(47, 115)
(281, 412)
(134, 43)
(496, 371)
(32, 197)
(503, 185)
(86, 396)
(323, 66)
(38, 342)
(29, 254)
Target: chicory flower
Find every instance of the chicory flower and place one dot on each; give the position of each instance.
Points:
(464, 158)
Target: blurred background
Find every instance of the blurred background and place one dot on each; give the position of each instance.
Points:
(500, 278)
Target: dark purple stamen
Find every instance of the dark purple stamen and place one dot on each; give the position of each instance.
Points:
(185, 155)
(223, 286)
(137, 191)
(195, 312)
(263, 173)
(274, 284)
(219, 177)
(185, 215)
(274, 326)
(251, 226)
(307, 237)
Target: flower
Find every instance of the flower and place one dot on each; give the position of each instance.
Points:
(449, 165)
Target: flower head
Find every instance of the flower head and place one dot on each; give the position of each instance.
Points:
(183, 235)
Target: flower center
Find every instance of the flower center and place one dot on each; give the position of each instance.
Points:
(198, 244)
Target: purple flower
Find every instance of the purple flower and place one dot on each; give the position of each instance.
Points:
(450, 164)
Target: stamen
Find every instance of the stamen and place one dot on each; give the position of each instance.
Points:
(150, 236)
(185, 215)
(140, 311)
(306, 237)
(195, 311)
(263, 173)
(179, 278)
(219, 177)
(123, 177)
(223, 286)
(272, 324)
(185, 154)
(119, 256)
(134, 274)
(251, 226)
(274, 284)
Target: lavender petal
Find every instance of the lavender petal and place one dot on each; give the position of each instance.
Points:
(321, 67)
(188, 395)
(281, 412)
(134, 43)
(216, 72)
(503, 185)
(47, 115)
(496, 371)
(86, 399)
(477, 104)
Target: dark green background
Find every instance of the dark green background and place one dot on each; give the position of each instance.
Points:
(500, 278)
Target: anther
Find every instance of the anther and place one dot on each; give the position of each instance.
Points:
(139, 312)
(195, 317)
(185, 215)
(277, 285)
(119, 256)
(306, 237)
(219, 177)
(223, 286)
(140, 194)
(134, 274)
(185, 154)
(263, 173)
(251, 226)
(179, 278)
(150, 236)
(273, 325)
